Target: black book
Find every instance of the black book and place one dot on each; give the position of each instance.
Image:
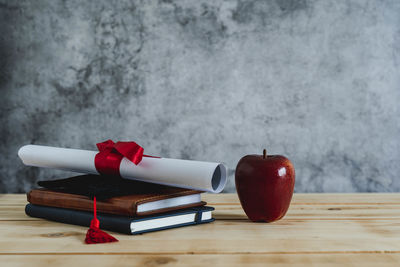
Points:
(123, 224)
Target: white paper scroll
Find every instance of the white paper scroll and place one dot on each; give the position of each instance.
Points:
(199, 175)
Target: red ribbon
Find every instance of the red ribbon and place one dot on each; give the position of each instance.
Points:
(110, 154)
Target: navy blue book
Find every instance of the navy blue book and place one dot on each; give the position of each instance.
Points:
(123, 224)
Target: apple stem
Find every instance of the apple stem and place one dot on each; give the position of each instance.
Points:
(264, 153)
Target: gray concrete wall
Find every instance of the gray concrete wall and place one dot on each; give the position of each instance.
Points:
(317, 81)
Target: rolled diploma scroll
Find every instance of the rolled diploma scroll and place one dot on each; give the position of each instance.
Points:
(199, 175)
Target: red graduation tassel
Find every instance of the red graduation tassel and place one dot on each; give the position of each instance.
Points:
(94, 235)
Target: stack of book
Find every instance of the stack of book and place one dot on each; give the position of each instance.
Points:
(124, 206)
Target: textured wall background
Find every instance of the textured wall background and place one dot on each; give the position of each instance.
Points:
(317, 81)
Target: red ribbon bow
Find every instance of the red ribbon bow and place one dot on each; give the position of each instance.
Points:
(110, 154)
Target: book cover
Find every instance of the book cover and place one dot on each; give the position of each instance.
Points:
(115, 195)
(122, 205)
(124, 224)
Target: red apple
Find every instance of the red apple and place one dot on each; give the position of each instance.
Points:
(265, 186)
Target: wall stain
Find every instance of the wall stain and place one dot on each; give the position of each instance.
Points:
(201, 24)
(265, 11)
(9, 7)
(290, 6)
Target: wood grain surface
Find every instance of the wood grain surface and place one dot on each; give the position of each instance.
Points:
(319, 230)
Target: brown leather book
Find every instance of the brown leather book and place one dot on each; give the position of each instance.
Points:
(139, 204)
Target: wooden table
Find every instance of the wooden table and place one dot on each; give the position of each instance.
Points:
(319, 230)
